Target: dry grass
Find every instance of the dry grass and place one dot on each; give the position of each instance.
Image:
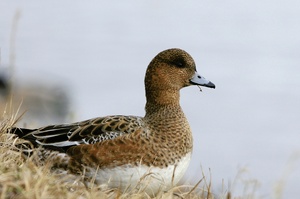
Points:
(26, 178)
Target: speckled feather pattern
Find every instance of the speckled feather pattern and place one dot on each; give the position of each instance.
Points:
(163, 147)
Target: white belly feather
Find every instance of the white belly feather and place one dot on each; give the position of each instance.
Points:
(149, 179)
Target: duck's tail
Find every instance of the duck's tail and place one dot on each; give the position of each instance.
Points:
(24, 134)
(56, 155)
(27, 134)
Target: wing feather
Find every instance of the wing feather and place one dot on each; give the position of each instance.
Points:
(86, 132)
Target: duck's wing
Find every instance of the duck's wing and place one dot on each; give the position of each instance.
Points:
(61, 137)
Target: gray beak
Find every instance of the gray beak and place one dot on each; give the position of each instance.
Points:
(201, 81)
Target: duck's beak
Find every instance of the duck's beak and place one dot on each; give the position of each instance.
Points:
(201, 81)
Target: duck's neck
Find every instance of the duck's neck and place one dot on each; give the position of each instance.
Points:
(159, 100)
(165, 116)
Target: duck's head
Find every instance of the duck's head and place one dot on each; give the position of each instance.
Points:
(173, 69)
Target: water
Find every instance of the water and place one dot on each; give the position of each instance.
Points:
(249, 49)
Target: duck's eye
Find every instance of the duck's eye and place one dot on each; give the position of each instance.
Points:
(179, 63)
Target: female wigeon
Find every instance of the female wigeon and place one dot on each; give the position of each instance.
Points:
(150, 153)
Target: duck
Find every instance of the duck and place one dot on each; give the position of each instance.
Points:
(151, 153)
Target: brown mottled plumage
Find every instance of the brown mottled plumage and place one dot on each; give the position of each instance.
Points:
(128, 146)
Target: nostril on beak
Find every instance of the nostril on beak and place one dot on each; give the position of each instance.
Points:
(199, 76)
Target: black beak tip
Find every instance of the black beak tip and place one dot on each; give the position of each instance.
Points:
(211, 85)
